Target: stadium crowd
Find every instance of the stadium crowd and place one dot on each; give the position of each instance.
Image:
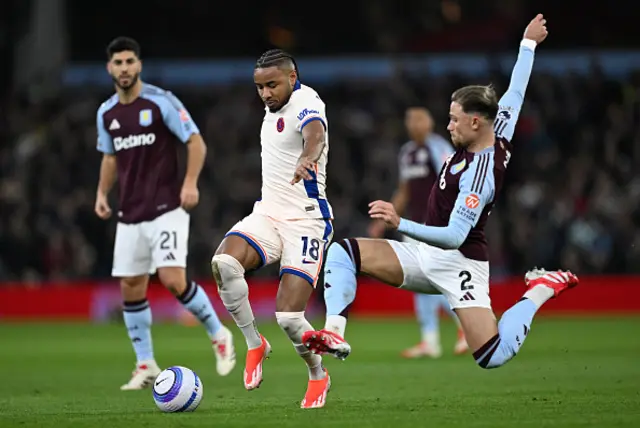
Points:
(571, 199)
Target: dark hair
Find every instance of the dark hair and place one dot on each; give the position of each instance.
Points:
(276, 58)
(121, 44)
(477, 99)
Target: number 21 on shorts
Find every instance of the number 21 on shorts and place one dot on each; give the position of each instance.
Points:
(310, 250)
(168, 240)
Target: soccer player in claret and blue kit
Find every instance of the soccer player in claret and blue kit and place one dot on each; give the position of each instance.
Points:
(452, 255)
(419, 164)
(140, 129)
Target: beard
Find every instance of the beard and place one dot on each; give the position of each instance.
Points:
(132, 81)
(459, 143)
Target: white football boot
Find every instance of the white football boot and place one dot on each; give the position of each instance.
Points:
(225, 353)
(143, 376)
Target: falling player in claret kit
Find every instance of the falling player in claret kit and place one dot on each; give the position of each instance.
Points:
(140, 129)
(290, 224)
(452, 255)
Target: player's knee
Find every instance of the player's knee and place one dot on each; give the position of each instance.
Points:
(229, 275)
(495, 353)
(174, 279)
(227, 267)
(292, 323)
(345, 251)
(133, 283)
(133, 288)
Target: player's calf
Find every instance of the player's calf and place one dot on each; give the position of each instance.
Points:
(345, 260)
(294, 324)
(137, 317)
(234, 293)
(195, 300)
(515, 324)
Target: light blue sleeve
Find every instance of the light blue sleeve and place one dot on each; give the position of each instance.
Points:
(175, 115)
(476, 190)
(449, 237)
(441, 149)
(477, 187)
(511, 102)
(105, 142)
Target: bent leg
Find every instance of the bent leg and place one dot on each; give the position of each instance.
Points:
(234, 256)
(496, 344)
(345, 260)
(391, 262)
(252, 243)
(193, 297)
(291, 301)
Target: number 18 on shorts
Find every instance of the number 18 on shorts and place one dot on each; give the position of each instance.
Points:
(299, 245)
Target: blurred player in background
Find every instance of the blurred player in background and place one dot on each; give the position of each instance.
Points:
(419, 164)
(139, 131)
(291, 223)
(452, 256)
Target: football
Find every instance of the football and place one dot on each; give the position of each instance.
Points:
(177, 389)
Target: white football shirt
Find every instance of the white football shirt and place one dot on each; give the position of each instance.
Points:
(282, 145)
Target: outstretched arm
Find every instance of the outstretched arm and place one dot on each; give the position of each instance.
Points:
(512, 100)
(476, 190)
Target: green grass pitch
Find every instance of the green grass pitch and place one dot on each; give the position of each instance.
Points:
(572, 372)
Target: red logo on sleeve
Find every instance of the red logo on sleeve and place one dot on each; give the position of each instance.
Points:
(472, 201)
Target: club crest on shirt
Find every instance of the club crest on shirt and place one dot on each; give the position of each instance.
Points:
(280, 124)
(458, 167)
(146, 117)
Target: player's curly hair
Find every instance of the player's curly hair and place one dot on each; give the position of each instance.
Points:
(478, 99)
(276, 58)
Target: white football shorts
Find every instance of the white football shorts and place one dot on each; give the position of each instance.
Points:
(299, 245)
(142, 247)
(431, 270)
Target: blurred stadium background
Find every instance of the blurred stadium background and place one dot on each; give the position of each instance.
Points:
(571, 199)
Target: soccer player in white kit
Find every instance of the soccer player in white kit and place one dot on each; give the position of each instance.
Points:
(291, 223)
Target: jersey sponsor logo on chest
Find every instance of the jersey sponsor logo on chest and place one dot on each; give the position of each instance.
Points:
(124, 143)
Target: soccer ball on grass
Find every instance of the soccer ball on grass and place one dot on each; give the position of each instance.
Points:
(177, 389)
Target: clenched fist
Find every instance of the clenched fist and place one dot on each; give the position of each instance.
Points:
(537, 29)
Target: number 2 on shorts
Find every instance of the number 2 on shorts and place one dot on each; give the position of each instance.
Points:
(467, 277)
